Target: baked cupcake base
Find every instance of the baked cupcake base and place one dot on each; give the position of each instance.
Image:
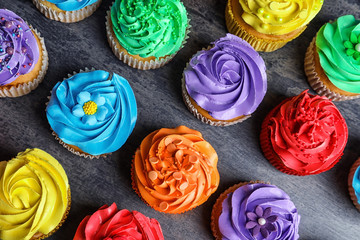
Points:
(54, 13)
(353, 197)
(22, 86)
(259, 41)
(318, 79)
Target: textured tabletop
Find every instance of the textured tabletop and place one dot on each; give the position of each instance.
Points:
(322, 200)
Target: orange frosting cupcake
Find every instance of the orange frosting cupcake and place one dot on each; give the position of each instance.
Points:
(174, 170)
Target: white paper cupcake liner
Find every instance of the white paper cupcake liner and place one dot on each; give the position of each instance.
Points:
(201, 117)
(67, 16)
(65, 145)
(315, 81)
(133, 62)
(25, 88)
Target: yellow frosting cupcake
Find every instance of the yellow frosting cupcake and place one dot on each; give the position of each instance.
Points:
(34, 196)
(269, 24)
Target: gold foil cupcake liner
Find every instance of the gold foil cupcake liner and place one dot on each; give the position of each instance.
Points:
(66, 16)
(217, 208)
(65, 145)
(39, 236)
(315, 80)
(353, 197)
(25, 88)
(132, 61)
(257, 43)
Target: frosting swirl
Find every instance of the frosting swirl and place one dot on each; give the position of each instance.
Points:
(228, 80)
(33, 195)
(19, 51)
(279, 17)
(308, 133)
(94, 111)
(154, 28)
(175, 169)
(356, 183)
(111, 223)
(341, 69)
(258, 206)
(72, 5)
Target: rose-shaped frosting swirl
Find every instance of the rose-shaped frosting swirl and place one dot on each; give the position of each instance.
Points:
(342, 69)
(111, 223)
(94, 111)
(19, 51)
(33, 195)
(255, 210)
(153, 28)
(228, 80)
(308, 133)
(72, 5)
(175, 169)
(279, 17)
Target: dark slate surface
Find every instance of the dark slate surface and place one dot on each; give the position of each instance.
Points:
(322, 200)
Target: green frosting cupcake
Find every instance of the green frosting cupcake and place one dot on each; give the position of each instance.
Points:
(149, 28)
(338, 46)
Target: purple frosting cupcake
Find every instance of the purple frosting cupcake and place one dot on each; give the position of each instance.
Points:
(224, 84)
(255, 211)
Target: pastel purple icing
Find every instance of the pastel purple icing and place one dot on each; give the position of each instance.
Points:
(228, 80)
(19, 51)
(245, 199)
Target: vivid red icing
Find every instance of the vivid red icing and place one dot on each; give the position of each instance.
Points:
(308, 133)
(110, 223)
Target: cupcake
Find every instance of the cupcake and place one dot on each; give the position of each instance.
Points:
(67, 11)
(255, 211)
(354, 183)
(111, 223)
(332, 61)
(147, 34)
(224, 84)
(34, 196)
(269, 24)
(174, 170)
(92, 113)
(304, 135)
(23, 56)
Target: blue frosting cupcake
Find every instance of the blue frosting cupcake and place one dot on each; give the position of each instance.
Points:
(92, 113)
(354, 183)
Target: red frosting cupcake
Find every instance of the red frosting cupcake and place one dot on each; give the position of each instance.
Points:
(111, 223)
(304, 135)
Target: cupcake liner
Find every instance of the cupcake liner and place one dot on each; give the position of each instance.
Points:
(353, 197)
(217, 208)
(66, 16)
(201, 117)
(132, 61)
(259, 44)
(65, 145)
(39, 236)
(25, 88)
(314, 77)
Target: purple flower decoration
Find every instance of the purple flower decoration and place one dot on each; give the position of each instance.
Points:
(261, 221)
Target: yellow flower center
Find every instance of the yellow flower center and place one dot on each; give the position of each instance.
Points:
(90, 108)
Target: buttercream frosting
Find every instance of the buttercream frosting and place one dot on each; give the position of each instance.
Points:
(19, 51)
(341, 67)
(95, 111)
(255, 210)
(279, 17)
(154, 28)
(72, 5)
(33, 195)
(356, 184)
(308, 133)
(227, 80)
(110, 223)
(174, 170)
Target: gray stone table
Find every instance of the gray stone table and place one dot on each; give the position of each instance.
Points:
(322, 200)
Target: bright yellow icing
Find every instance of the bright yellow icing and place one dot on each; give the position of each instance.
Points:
(33, 195)
(279, 16)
